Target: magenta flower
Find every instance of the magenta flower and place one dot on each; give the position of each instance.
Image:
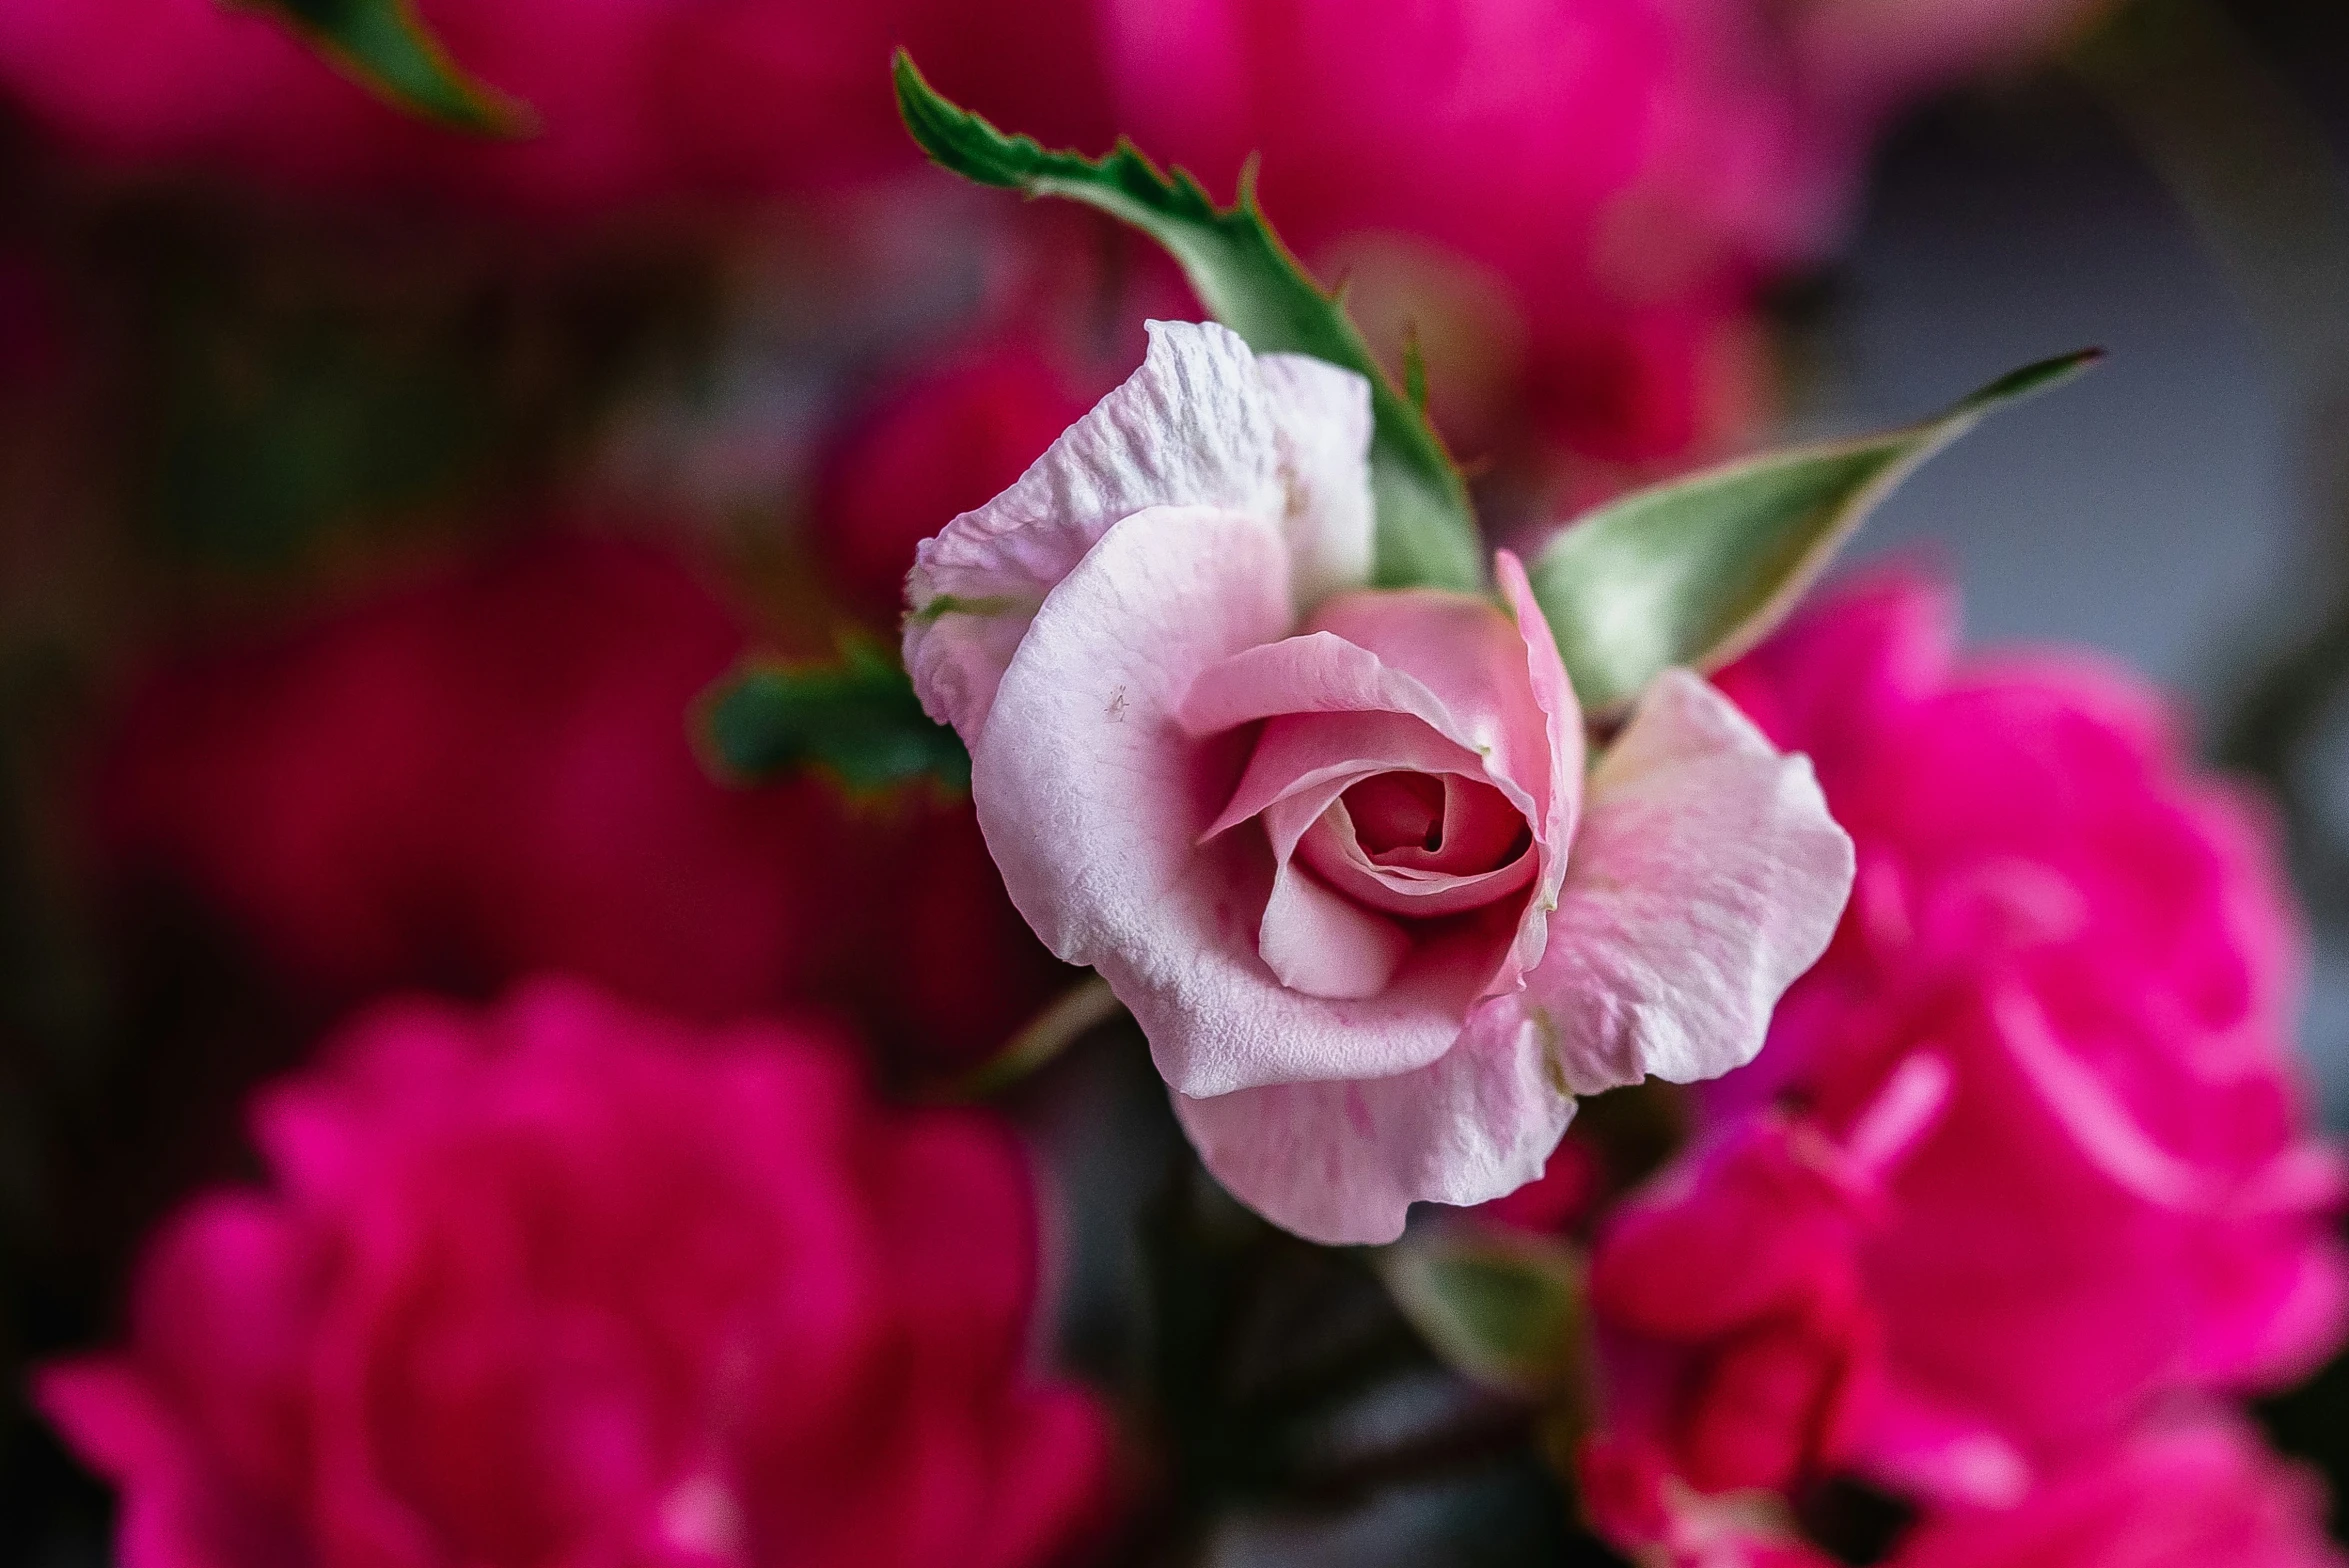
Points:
(2189, 1493)
(2116, 1196)
(564, 1283)
(1742, 1342)
(1334, 847)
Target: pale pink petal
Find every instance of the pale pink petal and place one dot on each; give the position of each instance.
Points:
(1553, 693)
(1323, 943)
(1094, 798)
(1704, 877)
(1321, 427)
(1199, 424)
(1469, 656)
(1318, 672)
(1339, 1163)
(1304, 752)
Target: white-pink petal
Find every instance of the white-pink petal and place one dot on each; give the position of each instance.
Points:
(1341, 1163)
(1705, 876)
(1203, 422)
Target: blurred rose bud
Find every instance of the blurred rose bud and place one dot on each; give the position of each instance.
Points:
(562, 1282)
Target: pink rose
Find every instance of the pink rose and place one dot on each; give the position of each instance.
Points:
(566, 1283)
(2119, 1196)
(1334, 847)
(489, 773)
(2196, 1493)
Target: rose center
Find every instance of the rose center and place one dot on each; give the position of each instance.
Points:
(1438, 823)
(1421, 844)
(1397, 811)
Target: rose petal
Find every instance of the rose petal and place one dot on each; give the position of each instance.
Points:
(1331, 848)
(1706, 875)
(1339, 1163)
(1321, 428)
(1322, 943)
(1470, 657)
(1093, 799)
(1305, 752)
(1200, 424)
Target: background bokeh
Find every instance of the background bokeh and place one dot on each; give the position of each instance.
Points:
(285, 421)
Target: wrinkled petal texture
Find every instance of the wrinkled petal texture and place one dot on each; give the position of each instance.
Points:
(1203, 423)
(566, 1283)
(1705, 876)
(1340, 1163)
(2122, 1197)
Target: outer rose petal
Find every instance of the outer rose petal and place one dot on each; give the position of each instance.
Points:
(1202, 423)
(1705, 877)
(1321, 427)
(1094, 798)
(1340, 1163)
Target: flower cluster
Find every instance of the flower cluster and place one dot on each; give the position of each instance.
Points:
(563, 1281)
(2023, 1166)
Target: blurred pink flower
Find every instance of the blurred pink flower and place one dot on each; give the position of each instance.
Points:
(566, 1283)
(638, 100)
(930, 445)
(1333, 846)
(2116, 1195)
(2193, 1493)
(1602, 182)
(489, 773)
(1741, 1342)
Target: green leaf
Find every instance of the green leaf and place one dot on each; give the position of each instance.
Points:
(1252, 284)
(388, 49)
(1502, 1307)
(1697, 570)
(857, 718)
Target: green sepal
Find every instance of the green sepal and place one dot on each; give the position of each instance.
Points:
(1503, 1307)
(1697, 570)
(1251, 283)
(856, 718)
(386, 46)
